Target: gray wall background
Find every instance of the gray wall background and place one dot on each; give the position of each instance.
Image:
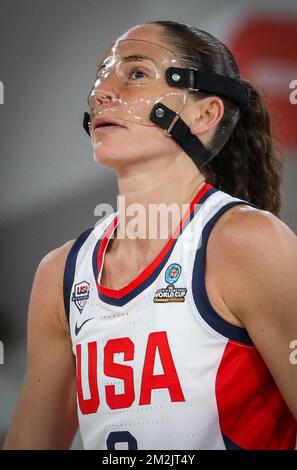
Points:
(49, 182)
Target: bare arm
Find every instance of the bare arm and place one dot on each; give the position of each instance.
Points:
(45, 416)
(258, 256)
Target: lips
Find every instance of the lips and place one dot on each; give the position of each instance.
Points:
(106, 123)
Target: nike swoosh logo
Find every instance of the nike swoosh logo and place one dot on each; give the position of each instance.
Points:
(78, 328)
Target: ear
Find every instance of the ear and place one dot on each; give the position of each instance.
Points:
(206, 115)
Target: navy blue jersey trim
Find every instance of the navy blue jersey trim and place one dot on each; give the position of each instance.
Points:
(126, 298)
(230, 445)
(204, 307)
(70, 268)
(94, 259)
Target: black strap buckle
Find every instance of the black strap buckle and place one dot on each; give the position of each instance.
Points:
(175, 127)
(192, 76)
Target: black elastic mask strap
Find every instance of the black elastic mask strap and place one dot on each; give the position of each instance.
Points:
(205, 80)
(180, 132)
(86, 123)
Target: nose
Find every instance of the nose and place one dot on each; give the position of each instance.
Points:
(100, 97)
(106, 90)
(103, 97)
(104, 93)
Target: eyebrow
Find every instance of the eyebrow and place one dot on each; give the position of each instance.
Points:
(129, 58)
(137, 57)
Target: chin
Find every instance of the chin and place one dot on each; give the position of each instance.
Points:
(111, 158)
(105, 160)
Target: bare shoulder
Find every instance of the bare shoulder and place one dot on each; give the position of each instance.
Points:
(47, 287)
(54, 261)
(252, 252)
(249, 229)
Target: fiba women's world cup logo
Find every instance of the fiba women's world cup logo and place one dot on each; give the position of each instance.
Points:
(171, 293)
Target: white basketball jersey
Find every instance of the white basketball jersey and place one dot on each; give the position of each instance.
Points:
(157, 367)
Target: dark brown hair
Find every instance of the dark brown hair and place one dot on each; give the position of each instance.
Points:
(244, 160)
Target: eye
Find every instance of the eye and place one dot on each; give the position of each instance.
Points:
(137, 73)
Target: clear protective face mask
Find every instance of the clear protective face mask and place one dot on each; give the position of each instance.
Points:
(131, 79)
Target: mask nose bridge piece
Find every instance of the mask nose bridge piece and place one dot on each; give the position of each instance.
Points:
(108, 88)
(103, 96)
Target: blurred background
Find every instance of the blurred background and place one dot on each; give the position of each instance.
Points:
(50, 185)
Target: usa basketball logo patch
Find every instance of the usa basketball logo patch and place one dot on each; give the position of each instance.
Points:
(170, 293)
(81, 294)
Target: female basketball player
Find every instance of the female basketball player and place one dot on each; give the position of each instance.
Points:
(170, 344)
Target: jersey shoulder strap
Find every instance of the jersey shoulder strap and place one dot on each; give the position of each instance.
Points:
(201, 299)
(70, 265)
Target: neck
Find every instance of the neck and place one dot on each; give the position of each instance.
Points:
(176, 184)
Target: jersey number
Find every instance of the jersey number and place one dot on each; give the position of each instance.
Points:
(121, 436)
